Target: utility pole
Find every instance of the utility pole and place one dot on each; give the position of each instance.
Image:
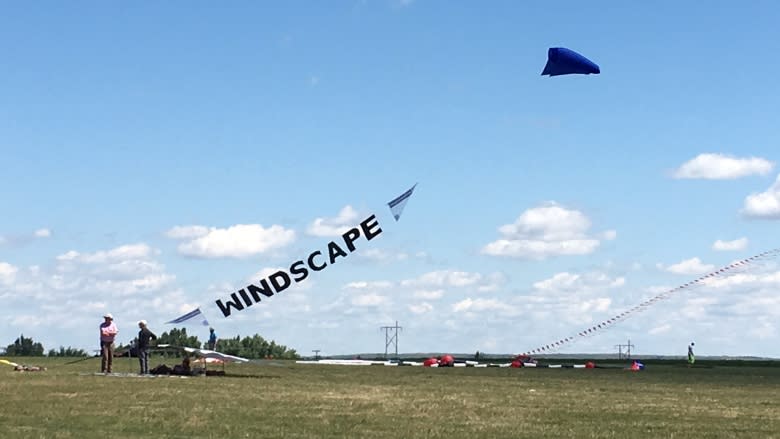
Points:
(391, 337)
(628, 347)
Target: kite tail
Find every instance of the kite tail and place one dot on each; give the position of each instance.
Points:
(736, 267)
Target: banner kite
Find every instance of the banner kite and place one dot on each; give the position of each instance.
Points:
(301, 269)
(397, 205)
(727, 270)
(193, 316)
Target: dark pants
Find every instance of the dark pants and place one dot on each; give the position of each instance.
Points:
(143, 359)
(107, 353)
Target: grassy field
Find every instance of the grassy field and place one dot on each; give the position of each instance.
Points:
(298, 401)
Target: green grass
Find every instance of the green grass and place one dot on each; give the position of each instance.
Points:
(298, 401)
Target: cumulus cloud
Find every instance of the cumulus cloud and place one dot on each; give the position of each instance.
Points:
(334, 226)
(735, 245)
(364, 285)
(380, 255)
(693, 266)
(546, 231)
(573, 282)
(660, 329)
(421, 308)
(429, 294)
(7, 273)
(68, 294)
(722, 167)
(20, 239)
(481, 305)
(456, 279)
(123, 270)
(121, 253)
(764, 205)
(187, 232)
(370, 299)
(445, 278)
(238, 241)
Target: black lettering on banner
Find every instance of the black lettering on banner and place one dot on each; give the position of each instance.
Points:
(299, 268)
(311, 261)
(350, 236)
(335, 251)
(367, 225)
(246, 298)
(263, 289)
(281, 280)
(235, 303)
(274, 280)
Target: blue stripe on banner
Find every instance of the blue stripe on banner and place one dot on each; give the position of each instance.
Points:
(401, 198)
(186, 317)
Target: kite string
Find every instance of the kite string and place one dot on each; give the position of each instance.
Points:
(733, 268)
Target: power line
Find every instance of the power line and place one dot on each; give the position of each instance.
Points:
(391, 337)
(628, 347)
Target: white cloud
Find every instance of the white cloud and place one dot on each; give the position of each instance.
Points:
(187, 232)
(363, 285)
(118, 254)
(369, 300)
(42, 233)
(429, 294)
(545, 231)
(609, 235)
(67, 295)
(444, 278)
(7, 273)
(481, 305)
(22, 239)
(660, 329)
(421, 308)
(238, 241)
(693, 266)
(765, 204)
(334, 226)
(735, 245)
(722, 167)
(380, 255)
(571, 282)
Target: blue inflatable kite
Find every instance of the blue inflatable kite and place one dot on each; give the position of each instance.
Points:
(562, 61)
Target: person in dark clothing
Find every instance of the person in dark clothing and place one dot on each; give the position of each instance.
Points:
(144, 338)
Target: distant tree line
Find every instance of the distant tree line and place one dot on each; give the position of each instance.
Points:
(24, 347)
(67, 352)
(248, 347)
(253, 347)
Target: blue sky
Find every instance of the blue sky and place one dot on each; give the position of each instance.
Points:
(127, 127)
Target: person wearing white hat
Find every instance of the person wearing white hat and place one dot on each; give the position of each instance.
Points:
(108, 331)
(144, 338)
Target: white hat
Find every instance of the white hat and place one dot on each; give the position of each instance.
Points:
(142, 322)
(108, 316)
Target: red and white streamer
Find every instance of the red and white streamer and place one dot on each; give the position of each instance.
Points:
(593, 330)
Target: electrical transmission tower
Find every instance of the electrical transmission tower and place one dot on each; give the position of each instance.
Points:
(628, 347)
(391, 337)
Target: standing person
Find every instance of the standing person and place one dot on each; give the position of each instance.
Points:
(691, 357)
(108, 331)
(212, 344)
(144, 337)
